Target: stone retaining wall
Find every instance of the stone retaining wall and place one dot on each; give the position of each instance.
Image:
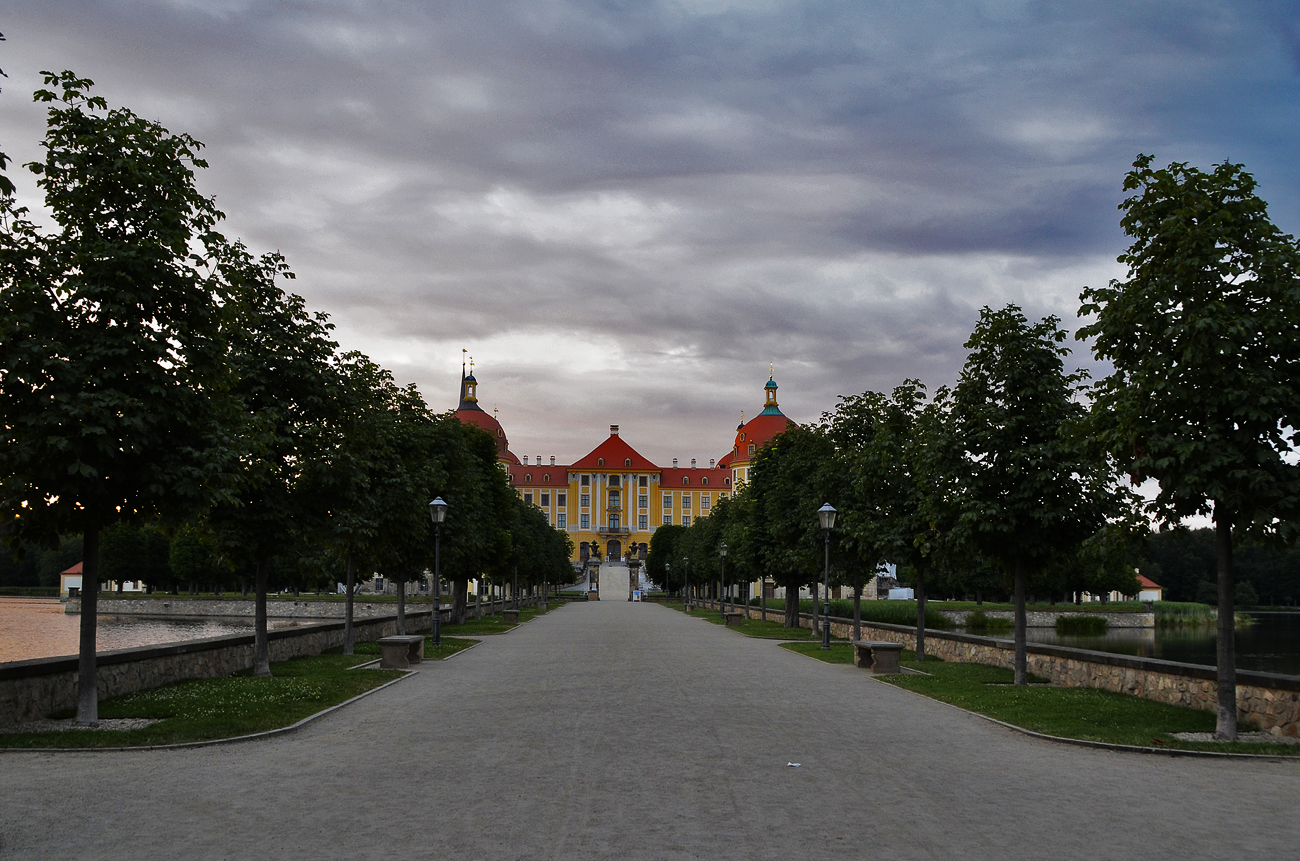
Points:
(1267, 700)
(1047, 618)
(276, 608)
(38, 688)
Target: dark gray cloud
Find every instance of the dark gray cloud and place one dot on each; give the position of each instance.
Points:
(626, 210)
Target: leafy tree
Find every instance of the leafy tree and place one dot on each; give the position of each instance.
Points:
(6, 184)
(1203, 339)
(1027, 490)
(663, 552)
(109, 352)
(279, 356)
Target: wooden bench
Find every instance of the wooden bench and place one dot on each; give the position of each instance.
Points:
(401, 650)
(733, 619)
(879, 657)
(511, 616)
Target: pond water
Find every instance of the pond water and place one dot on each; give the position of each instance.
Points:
(38, 628)
(1270, 645)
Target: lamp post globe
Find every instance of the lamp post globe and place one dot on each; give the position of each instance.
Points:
(826, 514)
(438, 513)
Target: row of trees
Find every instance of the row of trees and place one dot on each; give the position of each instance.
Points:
(1015, 474)
(155, 373)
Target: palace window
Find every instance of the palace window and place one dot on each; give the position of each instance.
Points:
(546, 500)
(585, 500)
(668, 520)
(704, 502)
(561, 499)
(643, 481)
(686, 501)
(562, 521)
(727, 482)
(613, 521)
(614, 500)
(586, 521)
(627, 461)
(547, 478)
(686, 520)
(643, 523)
(704, 480)
(600, 461)
(686, 479)
(642, 501)
(751, 449)
(585, 480)
(528, 476)
(668, 500)
(528, 497)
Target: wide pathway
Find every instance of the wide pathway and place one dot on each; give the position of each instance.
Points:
(628, 731)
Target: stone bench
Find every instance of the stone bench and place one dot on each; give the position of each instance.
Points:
(733, 619)
(511, 616)
(879, 657)
(401, 650)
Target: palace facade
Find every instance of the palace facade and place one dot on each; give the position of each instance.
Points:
(612, 499)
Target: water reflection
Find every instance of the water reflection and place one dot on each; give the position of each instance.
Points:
(1270, 645)
(38, 628)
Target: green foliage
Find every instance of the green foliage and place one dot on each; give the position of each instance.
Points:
(1202, 339)
(1179, 614)
(889, 612)
(1081, 625)
(978, 620)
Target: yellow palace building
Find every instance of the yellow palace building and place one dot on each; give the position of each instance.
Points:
(612, 499)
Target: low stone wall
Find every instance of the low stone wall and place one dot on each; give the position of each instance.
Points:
(1047, 618)
(1268, 700)
(276, 608)
(38, 688)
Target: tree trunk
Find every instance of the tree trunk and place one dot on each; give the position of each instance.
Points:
(348, 641)
(920, 612)
(816, 614)
(791, 607)
(478, 598)
(1022, 657)
(1226, 725)
(401, 607)
(857, 609)
(762, 596)
(460, 601)
(979, 597)
(87, 671)
(261, 648)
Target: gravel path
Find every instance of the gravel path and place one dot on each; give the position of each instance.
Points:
(603, 731)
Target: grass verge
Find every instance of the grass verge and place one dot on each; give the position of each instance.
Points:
(752, 627)
(1077, 713)
(233, 706)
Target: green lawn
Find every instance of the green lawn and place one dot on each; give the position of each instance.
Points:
(492, 624)
(209, 709)
(752, 627)
(1078, 713)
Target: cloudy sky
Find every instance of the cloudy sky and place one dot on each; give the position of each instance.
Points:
(626, 210)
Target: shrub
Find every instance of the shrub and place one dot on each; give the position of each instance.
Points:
(1086, 625)
(978, 620)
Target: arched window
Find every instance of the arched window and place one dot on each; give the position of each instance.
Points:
(600, 461)
(546, 478)
(686, 479)
(528, 476)
(500, 432)
(727, 482)
(627, 461)
(704, 480)
(751, 449)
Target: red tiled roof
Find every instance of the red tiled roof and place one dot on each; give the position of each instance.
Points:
(676, 479)
(520, 475)
(488, 422)
(75, 569)
(1148, 584)
(757, 432)
(617, 455)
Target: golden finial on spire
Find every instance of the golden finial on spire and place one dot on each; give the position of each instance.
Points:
(494, 412)
(771, 368)
(471, 364)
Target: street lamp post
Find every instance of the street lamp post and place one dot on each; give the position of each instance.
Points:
(826, 515)
(722, 590)
(438, 511)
